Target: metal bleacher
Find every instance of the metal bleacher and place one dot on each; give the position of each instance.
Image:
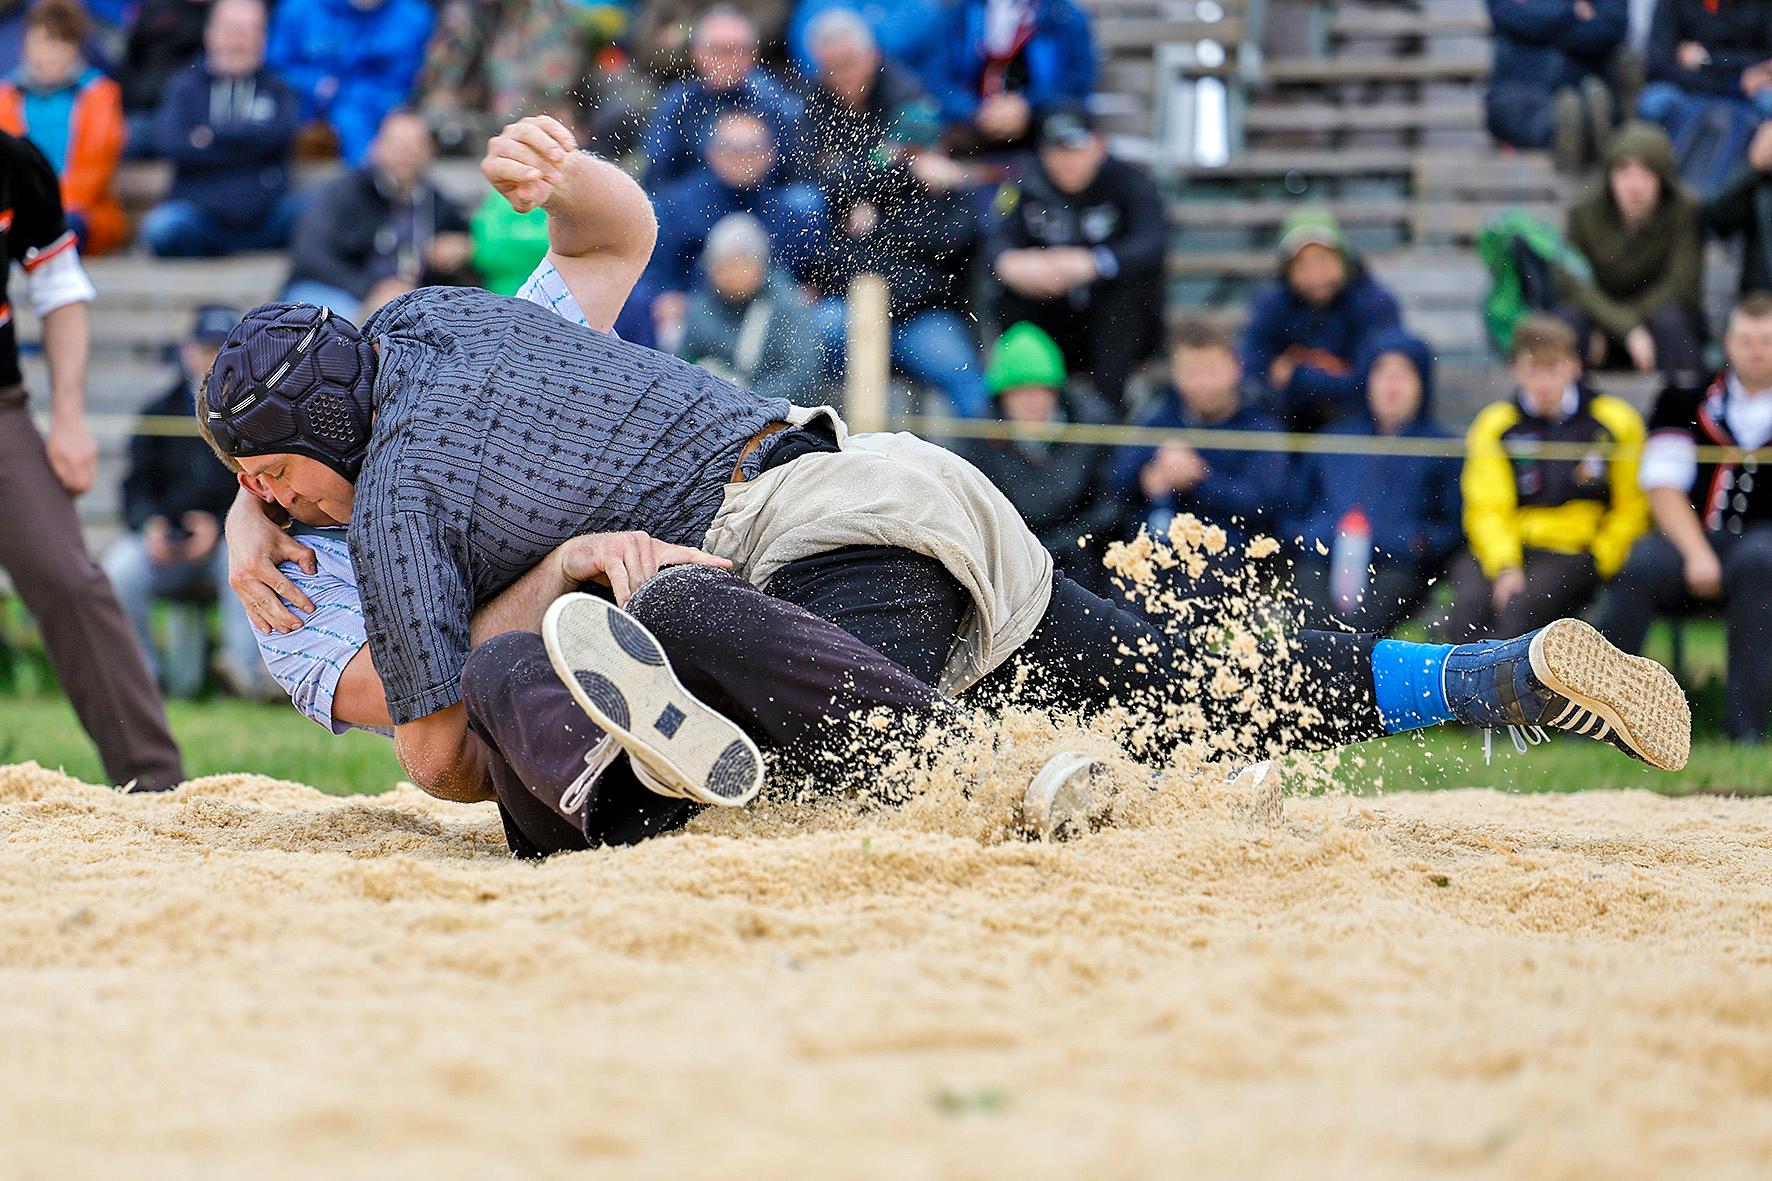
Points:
(1373, 109)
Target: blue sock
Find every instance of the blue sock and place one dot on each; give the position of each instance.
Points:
(1409, 682)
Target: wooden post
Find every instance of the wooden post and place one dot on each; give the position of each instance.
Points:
(869, 361)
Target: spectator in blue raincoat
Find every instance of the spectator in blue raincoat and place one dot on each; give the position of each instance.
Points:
(1406, 508)
(351, 61)
(997, 65)
(1308, 328)
(743, 174)
(726, 77)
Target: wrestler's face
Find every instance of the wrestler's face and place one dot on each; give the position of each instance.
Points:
(307, 489)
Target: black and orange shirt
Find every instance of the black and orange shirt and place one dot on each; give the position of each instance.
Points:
(32, 231)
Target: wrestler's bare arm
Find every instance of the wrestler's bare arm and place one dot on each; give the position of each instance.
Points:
(601, 228)
(441, 755)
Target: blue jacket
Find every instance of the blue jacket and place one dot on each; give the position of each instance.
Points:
(683, 122)
(1539, 43)
(1246, 490)
(792, 214)
(1279, 320)
(369, 57)
(242, 170)
(1059, 58)
(905, 30)
(1411, 502)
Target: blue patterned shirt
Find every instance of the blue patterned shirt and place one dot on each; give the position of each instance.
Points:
(309, 661)
(500, 432)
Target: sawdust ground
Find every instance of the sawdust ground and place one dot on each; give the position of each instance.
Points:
(249, 978)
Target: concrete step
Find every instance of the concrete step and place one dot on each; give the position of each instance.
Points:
(1356, 24)
(142, 184)
(1137, 36)
(1322, 117)
(1341, 71)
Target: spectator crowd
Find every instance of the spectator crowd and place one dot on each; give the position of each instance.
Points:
(950, 147)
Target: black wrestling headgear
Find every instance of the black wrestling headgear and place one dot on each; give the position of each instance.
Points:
(293, 377)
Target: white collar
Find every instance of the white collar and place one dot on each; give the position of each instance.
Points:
(1737, 390)
(1747, 413)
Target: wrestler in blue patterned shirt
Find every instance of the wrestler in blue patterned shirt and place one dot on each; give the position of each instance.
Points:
(501, 431)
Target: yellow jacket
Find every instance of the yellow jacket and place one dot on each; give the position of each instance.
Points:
(1567, 506)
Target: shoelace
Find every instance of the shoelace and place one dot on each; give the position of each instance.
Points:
(1524, 738)
(597, 760)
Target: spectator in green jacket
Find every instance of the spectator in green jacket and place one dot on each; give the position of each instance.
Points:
(1643, 235)
(507, 245)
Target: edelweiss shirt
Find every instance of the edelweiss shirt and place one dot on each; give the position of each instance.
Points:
(500, 432)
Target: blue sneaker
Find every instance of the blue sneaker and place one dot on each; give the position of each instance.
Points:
(1568, 677)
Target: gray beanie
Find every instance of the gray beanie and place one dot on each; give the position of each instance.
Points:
(736, 234)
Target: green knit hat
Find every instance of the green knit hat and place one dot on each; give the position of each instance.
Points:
(1024, 356)
(1310, 225)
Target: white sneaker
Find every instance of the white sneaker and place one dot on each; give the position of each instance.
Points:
(1258, 795)
(617, 672)
(1057, 801)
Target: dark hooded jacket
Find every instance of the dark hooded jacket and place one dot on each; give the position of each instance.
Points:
(1637, 271)
(1246, 490)
(1744, 207)
(923, 241)
(1539, 44)
(166, 37)
(1412, 503)
(1327, 342)
(834, 139)
(1060, 490)
(348, 237)
(1736, 33)
(237, 169)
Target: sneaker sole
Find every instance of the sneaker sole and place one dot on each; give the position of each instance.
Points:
(1059, 793)
(1638, 698)
(617, 672)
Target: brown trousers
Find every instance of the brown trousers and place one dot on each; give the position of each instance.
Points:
(90, 643)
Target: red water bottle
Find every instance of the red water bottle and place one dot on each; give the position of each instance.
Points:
(1350, 562)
